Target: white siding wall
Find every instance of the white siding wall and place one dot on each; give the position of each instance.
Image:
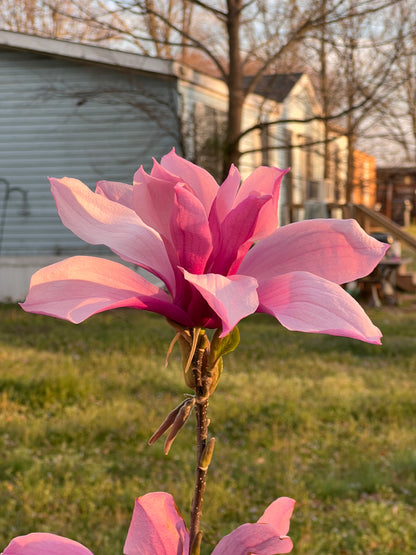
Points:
(299, 106)
(64, 118)
(61, 118)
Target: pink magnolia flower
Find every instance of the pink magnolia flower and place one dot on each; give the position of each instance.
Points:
(217, 249)
(158, 529)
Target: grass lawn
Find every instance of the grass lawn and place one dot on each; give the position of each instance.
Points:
(328, 421)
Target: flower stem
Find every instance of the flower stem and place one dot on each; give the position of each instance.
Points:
(201, 409)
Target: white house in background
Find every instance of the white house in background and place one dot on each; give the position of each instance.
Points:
(95, 113)
(298, 141)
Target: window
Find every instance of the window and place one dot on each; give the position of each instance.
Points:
(209, 130)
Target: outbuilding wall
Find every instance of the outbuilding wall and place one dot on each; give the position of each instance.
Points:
(62, 117)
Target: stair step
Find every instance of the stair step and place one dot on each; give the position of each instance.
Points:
(406, 282)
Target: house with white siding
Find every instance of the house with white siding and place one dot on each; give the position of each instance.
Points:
(95, 113)
(297, 141)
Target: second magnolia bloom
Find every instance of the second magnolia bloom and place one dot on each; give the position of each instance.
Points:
(157, 527)
(217, 249)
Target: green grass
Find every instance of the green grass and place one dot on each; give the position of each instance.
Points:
(328, 421)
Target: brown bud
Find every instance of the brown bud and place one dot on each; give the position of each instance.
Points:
(167, 423)
(181, 417)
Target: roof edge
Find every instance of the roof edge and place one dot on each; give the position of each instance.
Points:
(86, 52)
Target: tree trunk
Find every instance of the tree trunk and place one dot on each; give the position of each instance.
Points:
(235, 87)
(324, 89)
(350, 168)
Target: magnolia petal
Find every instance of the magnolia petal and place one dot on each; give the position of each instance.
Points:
(253, 539)
(201, 182)
(191, 235)
(263, 181)
(97, 220)
(156, 527)
(266, 537)
(116, 191)
(337, 250)
(226, 195)
(234, 237)
(45, 544)
(278, 514)
(159, 172)
(153, 198)
(223, 204)
(78, 287)
(231, 298)
(302, 301)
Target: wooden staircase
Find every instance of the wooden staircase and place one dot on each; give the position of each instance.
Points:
(370, 220)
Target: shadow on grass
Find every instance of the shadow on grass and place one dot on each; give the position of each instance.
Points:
(262, 337)
(107, 330)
